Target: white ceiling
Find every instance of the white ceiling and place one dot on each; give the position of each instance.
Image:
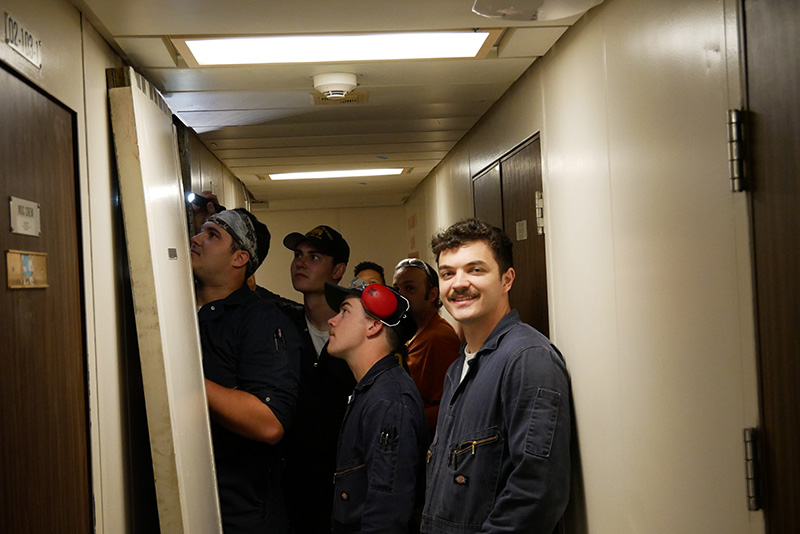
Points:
(262, 119)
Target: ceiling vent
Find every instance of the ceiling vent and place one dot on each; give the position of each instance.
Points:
(335, 85)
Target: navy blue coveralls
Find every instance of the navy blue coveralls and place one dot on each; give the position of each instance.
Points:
(381, 447)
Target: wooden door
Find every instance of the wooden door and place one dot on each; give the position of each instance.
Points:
(773, 77)
(522, 179)
(44, 473)
(505, 196)
(488, 194)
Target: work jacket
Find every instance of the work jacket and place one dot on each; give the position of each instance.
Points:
(381, 450)
(500, 459)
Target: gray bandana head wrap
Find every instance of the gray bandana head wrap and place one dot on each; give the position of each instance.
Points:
(241, 229)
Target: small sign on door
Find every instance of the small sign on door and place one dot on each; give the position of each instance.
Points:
(522, 230)
(25, 218)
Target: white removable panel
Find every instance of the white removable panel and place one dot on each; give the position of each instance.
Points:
(163, 295)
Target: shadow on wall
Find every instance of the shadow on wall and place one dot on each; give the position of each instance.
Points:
(575, 520)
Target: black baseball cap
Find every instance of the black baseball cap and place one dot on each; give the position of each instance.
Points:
(379, 301)
(325, 239)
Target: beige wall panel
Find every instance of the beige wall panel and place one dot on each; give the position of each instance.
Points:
(231, 189)
(211, 174)
(512, 120)
(374, 234)
(110, 476)
(648, 256)
(580, 267)
(456, 186)
(418, 216)
(196, 148)
(676, 267)
(58, 24)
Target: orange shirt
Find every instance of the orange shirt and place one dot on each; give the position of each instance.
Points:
(429, 356)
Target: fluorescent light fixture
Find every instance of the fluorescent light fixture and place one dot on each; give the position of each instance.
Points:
(335, 174)
(325, 48)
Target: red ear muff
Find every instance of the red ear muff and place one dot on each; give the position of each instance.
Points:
(379, 301)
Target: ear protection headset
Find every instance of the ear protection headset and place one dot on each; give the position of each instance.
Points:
(379, 301)
(382, 303)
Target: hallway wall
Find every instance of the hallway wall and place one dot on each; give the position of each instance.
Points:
(374, 234)
(648, 256)
(74, 61)
(648, 251)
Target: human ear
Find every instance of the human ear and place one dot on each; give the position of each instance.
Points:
(374, 328)
(433, 294)
(339, 270)
(241, 258)
(508, 279)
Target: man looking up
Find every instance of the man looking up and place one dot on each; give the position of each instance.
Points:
(435, 344)
(500, 460)
(320, 256)
(383, 435)
(250, 361)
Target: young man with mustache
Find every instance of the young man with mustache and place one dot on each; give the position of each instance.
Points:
(500, 459)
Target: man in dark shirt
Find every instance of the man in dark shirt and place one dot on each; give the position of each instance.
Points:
(320, 256)
(250, 361)
(384, 433)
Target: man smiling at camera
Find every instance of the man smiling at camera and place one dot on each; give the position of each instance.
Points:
(500, 459)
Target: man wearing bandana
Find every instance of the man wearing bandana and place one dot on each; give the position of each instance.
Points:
(250, 361)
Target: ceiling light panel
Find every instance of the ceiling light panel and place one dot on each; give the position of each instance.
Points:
(353, 173)
(334, 48)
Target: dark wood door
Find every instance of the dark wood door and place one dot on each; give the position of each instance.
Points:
(504, 195)
(772, 30)
(44, 473)
(522, 178)
(488, 194)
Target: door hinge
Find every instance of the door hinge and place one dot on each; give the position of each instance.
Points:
(539, 213)
(736, 149)
(751, 469)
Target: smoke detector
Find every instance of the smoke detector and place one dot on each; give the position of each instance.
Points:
(335, 85)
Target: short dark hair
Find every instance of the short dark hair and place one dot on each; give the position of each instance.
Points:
(393, 340)
(364, 265)
(469, 230)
